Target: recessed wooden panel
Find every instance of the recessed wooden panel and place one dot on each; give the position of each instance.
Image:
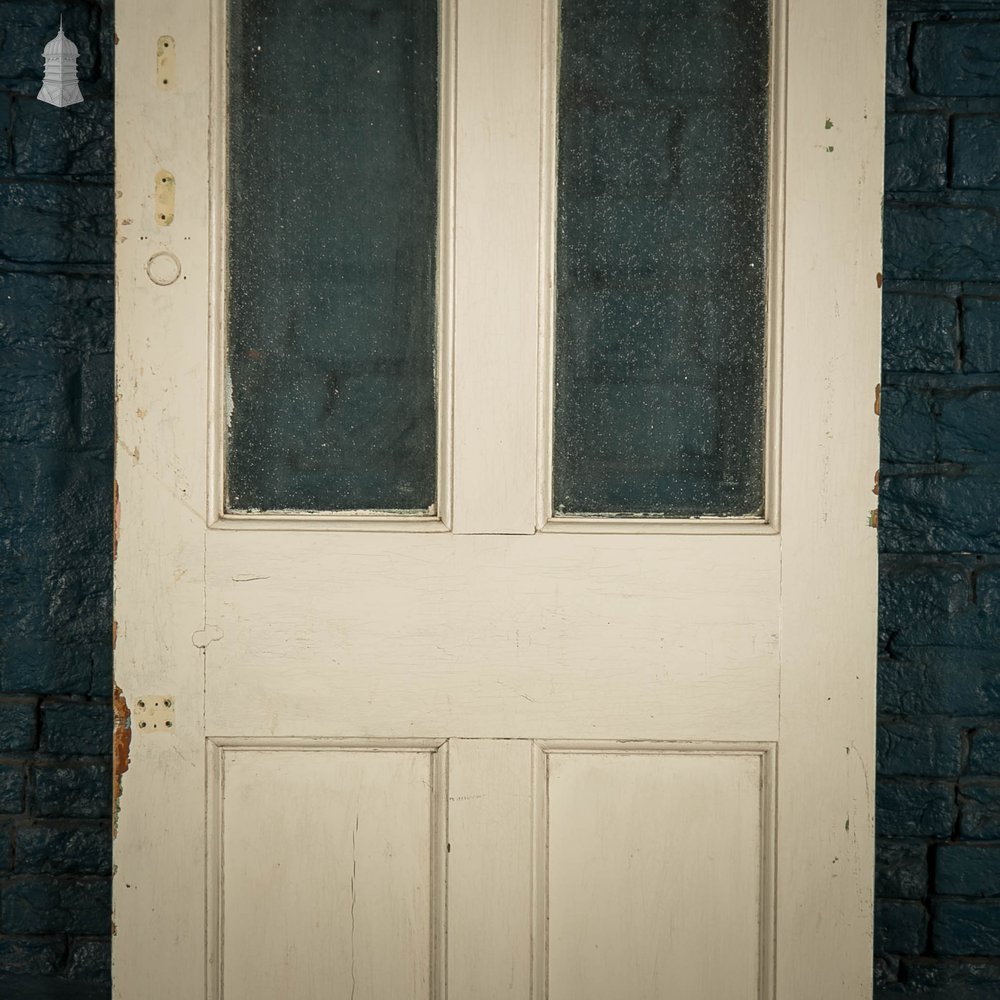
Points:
(655, 864)
(327, 881)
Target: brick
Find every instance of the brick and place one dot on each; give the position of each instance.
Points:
(77, 141)
(97, 401)
(957, 58)
(914, 809)
(29, 664)
(987, 582)
(18, 725)
(940, 512)
(919, 333)
(926, 605)
(885, 973)
(39, 398)
(931, 749)
(62, 851)
(73, 791)
(979, 804)
(941, 242)
(57, 224)
(76, 728)
(981, 333)
(50, 905)
(28, 26)
(900, 870)
(55, 310)
(55, 565)
(900, 927)
(908, 428)
(50, 988)
(976, 152)
(90, 961)
(897, 82)
(966, 928)
(6, 845)
(54, 502)
(967, 426)
(968, 870)
(950, 979)
(916, 152)
(31, 956)
(6, 125)
(79, 603)
(949, 682)
(984, 751)
(12, 784)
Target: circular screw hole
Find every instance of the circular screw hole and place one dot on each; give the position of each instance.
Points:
(168, 724)
(142, 704)
(167, 702)
(142, 725)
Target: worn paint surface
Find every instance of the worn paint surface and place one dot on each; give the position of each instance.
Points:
(165, 186)
(166, 62)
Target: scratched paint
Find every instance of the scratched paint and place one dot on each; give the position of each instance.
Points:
(118, 518)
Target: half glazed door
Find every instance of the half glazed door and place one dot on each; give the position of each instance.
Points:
(495, 575)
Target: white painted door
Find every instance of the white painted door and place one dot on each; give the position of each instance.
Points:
(496, 754)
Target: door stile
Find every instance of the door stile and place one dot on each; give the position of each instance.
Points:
(828, 576)
(162, 635)
(497, 187)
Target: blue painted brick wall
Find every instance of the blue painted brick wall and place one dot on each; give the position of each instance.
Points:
(938, 850)
(938, 821)
(56, 418)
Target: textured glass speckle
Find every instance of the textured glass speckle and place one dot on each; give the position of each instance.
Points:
(660, 258)
(332, 235)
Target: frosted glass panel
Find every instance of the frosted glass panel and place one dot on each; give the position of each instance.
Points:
(332, 254)
(661, 253)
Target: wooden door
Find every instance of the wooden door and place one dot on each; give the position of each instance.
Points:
(491, 751)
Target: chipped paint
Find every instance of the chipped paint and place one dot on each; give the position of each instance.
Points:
(878, 279)
(873, 518)
(875, 487)
(121, 745)
(878, 399)
(118, 520)
(203, 637)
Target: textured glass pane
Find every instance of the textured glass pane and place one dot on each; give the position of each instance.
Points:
(332, 244)
(662, 193)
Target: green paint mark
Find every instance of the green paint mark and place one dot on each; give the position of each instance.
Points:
(829, 149)
(829, 124)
